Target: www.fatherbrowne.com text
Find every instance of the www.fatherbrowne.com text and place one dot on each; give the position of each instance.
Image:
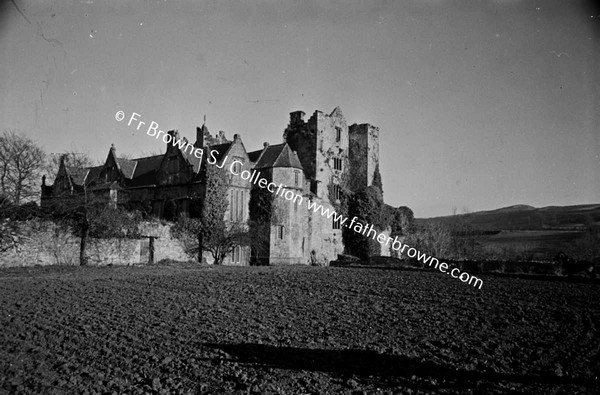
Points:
(254, 177)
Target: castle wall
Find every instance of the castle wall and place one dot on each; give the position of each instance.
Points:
(288, 244)
(302, 138)
(364, 151)
(326, 242)
(329, 147)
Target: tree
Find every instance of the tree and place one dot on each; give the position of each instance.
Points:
(21, 161)
(219, 240)
(403, 220)
(87, 215)
(72, 159)
(433, 238)
(210, 232)
(368, 207)
(588, 245)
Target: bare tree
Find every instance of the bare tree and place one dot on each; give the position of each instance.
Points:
(88, 215)
(72, 159)
(219, 240)
(433, 238)
(464, 235)
(21, 161)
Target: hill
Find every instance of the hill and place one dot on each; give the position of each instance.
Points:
(524, 217)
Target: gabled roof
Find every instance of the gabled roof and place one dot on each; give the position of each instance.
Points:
(126, 166)
(79, 175)
(254, 155)
(94, 173)
(280, 155)
(192, 160)
(76, 174)
(221, 150)
(145, 170)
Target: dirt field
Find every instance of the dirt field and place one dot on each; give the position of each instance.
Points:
(293, 330)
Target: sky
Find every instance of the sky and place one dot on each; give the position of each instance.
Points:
(480, 104)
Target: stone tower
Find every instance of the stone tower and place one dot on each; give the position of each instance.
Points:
(364, 154)
(322, 147)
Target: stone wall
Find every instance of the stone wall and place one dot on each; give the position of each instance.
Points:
(39, 243)
(165, 245)
(44, 243)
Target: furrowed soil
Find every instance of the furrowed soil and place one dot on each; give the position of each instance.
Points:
(292, 330)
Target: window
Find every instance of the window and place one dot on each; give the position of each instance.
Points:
(237, 166)
(336, 192)
(237, 254)
(112, 174)
(232, 204)
(280, 232)
(337, 223)
(338, 133)
(242, 199)
(236, 205)
(337, 164)
(297, 178)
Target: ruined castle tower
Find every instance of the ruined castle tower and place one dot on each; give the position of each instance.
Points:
(322, 146)
(364, 154)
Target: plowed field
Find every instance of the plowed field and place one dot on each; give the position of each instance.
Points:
(292, 330)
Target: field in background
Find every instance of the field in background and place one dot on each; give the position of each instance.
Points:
(527, 233)
(531, 244)
(276, 330)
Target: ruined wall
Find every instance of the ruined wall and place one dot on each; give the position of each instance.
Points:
(364, 155)
(329, 128)
(320, 142)
(302, 138)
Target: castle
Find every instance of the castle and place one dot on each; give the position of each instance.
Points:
(318, 159)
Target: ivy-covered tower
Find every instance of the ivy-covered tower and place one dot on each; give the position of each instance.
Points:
(364, 154)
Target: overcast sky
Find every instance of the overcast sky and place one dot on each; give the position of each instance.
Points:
(480, 104)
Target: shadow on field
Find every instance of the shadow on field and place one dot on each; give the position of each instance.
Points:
(370, 363)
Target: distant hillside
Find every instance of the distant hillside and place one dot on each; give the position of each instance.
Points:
(523, 217)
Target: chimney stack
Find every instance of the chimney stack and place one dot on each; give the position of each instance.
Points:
(297, 118)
